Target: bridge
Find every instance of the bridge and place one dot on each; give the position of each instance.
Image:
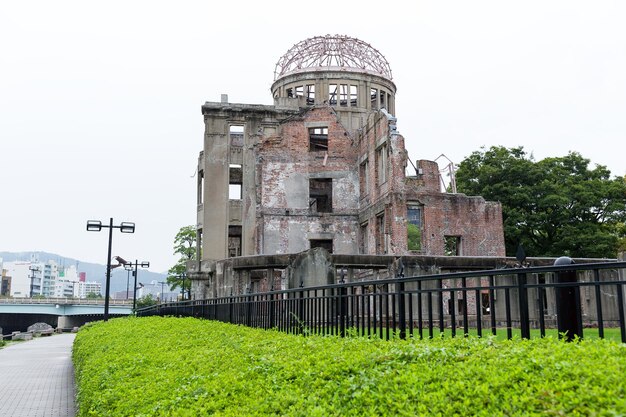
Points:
(16, 314)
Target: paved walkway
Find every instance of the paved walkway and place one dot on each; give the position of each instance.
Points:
(37, 377)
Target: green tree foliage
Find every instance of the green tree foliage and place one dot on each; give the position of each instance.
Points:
(414, 237)
(553, 207)
(146, 301)
(93, 295)
(185, 247)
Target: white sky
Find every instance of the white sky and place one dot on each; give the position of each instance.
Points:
(100, 101)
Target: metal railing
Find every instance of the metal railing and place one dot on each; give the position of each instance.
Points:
(524, 301)
(64, 300)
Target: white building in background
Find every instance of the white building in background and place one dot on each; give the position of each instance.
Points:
(67, 283)
(84, 288)
(20, 277)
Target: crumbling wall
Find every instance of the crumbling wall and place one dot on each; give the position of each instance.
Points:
(478, 224)
(286, 165)
(382, 162)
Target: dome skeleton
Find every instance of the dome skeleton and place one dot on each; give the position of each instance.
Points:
(332, 52)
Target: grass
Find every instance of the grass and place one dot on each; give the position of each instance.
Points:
(188, 367)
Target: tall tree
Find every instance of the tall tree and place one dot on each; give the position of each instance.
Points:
(553, 207)
(185, 246)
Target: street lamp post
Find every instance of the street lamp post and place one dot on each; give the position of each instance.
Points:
(96, 226)
(133, 267)
(162, 284)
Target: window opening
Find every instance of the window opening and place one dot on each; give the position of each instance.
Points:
(310, 94)
(343, 95)
(300, 91)
(485, 303)
(318, 139)
(363, 241)
(332, 94)
(200, 187)
(234, 241)
(381, 164)
(236, 135)
(321, 195)
(363, 179)
(452, 245)
(290, 92)
(374, 98)
(382, 99)
(380, 234)
(353, 95)
(322, 243)
(235, 182)
(414, 227)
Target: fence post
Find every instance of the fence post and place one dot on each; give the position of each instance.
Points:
(568, 314)
(524, 317)
(401, 310)
(272, 324)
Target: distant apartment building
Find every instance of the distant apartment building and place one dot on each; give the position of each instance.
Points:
(45, 279)
(86, 288)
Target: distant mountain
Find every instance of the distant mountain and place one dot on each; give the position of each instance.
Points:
(94, 272)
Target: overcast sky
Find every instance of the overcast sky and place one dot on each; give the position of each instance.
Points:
(100, 101)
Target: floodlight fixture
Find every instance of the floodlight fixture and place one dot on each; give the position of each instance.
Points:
(94, 225)
(127, 227)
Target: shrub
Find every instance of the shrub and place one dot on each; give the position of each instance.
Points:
(188, 367)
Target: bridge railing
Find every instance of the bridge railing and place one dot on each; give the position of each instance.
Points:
(64, 300)
(528, 302)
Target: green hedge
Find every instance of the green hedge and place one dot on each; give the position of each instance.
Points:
(189, 367)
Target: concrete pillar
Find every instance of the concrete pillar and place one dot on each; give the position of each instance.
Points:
(216, 157)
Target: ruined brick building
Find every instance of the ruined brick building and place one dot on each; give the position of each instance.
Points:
(325, 167)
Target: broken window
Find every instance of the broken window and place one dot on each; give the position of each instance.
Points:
(318, 139)
(452, 245)
(332, 94)
(380, 234)
(322, 243)
(363, 240)
(343, 95)
(381, 164)
(321, 195)
(300, 91)
(382, 99)
(236, 135)
(374, 98)
(461, 306)
(485, 303)
(310, 94)
(290, 92)
(200, 187)
(363, 179)
(353, 95)
(234, 241)
(235, 182)
(414, 227)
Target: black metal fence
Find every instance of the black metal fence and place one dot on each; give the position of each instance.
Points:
(529, 302)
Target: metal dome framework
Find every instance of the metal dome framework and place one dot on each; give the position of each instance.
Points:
(332, 52)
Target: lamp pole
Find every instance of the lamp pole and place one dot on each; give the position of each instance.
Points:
(127, 280)
(162, 284)
(133, 267)
(96, 226)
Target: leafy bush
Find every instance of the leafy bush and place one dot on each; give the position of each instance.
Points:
(188, 367)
